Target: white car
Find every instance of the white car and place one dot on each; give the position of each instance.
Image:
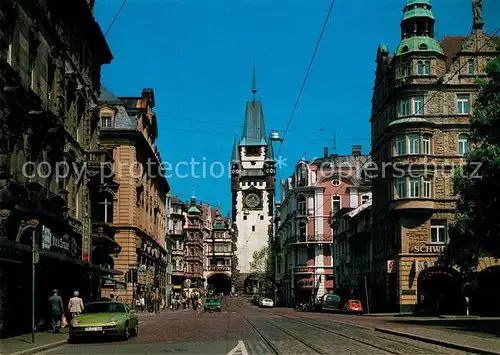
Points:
(266, 302)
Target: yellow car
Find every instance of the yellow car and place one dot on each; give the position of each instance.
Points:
(105, 319)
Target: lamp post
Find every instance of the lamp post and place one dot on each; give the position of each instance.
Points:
(275, 137)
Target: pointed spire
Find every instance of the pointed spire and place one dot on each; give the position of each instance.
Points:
(254, 79)
(235, 156)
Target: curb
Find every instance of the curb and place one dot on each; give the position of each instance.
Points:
(438, 342)
(40, 348)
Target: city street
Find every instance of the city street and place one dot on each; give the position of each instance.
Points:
(242, 328)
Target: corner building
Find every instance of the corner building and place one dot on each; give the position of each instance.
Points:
(422, 101)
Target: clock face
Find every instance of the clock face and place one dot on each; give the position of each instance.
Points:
(252, 200)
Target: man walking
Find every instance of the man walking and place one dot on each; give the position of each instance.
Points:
(57, 310)
(75, 305)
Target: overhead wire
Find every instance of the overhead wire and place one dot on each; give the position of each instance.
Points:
(308, 71)
(438, 82)
(115, 17)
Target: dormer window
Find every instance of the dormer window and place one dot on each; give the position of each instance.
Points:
(405, 49)
(423, 47)
(106, 121)
(423, 67)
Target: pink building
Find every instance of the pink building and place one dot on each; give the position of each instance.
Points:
(316, 191)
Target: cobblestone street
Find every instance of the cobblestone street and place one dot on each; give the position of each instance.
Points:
(242, 328)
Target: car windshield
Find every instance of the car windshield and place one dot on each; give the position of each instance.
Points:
(354, 302)
(104, 308)
(332, 298)
(212, 300)
(267, 300)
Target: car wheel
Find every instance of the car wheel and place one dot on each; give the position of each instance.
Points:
(126, 334)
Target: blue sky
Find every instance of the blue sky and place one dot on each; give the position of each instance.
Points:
(197, 56)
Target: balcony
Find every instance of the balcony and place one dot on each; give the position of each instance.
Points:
(219, 253)
(176, 233)
(100, 161)
(177, 252)
(302, 214)
(103, 236)
(310, 239)
(218, 268)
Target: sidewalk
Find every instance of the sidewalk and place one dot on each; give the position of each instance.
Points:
(473, 334)
(22, 345)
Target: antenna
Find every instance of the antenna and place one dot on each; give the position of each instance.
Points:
(334, 143)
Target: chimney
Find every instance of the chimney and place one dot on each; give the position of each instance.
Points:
(356, 150)
(325, 152)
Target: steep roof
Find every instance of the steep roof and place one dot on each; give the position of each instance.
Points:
(254, 131)
(108, 98)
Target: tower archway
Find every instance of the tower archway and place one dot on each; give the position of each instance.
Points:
(219, 283)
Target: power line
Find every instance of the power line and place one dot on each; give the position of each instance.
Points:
(114, 18)
(308, 71)
(490, 38)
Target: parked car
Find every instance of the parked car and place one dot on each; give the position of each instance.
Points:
(353, 306)
(213, 304)
(266, 302)
(255, 299)
(104, 319)
(331, 303)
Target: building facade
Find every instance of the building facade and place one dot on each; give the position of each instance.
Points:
(194, 250)
(49, 88)
(253, 180)
(177, 236)
(423, 97)
(353, 252)
(219, 254)
(135, 206)
(310, 198)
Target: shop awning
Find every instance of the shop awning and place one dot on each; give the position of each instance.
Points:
(109, 278)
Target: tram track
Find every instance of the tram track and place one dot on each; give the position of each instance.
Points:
(391, 346)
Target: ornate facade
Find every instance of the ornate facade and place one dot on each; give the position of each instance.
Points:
(423, 97)
(49, 88)
(193, 255)
(134, 207)
(177, 236)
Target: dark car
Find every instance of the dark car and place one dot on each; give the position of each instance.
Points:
(331, 303)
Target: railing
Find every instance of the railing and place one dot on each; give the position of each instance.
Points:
(176, 232)
(219, 268)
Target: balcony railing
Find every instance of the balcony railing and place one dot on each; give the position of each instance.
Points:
(176, 232)
(177, 252)
(219, 268)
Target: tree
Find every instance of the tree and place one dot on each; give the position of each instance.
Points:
(475, 231)
(258, 265)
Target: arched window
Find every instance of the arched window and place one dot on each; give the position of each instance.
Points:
(302, 176)
(423, 47)
(463, 144)
(105, 207)
(420, 67)
(427, 67)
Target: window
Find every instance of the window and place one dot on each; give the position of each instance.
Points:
(106, 122)
(107, 208)
(414, 144)
(463, 104)
(427, 67)
(407, 69)
(438, 232)
(427, 188)
(302, 176)
(336, 182)
(261, 217)
(336, 206)
(426, 144)
(244, 218)
(404, 107)
(364, 199)
(302, 230)
(471, 67)
(401, 187)
(301, 206)
(415, 187)
(420, 67)
(463, 144)
(253, 228)
(252, 151)
(418, 105)
(400, 145)
(301, 257)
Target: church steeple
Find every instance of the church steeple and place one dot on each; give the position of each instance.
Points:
(254, 79)
(417, 28)
(235, 156)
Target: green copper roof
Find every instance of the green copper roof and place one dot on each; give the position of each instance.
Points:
(270, 152)
(418, 44)
(418, 2)
(417, 12)
(192, 206)
(408, 120)
(254, 131)
(383, 47)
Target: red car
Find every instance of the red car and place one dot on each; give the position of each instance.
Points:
(353, 306)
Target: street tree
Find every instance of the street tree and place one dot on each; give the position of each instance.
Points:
(475, 231)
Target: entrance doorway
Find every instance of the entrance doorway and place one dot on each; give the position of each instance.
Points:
(440, 291)
(219, 283)
(485, 299)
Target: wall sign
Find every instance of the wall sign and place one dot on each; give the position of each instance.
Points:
(426, 248)
(408, 292)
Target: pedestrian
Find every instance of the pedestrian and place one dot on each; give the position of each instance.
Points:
(57, 310)
(143, 303)
(75, 305)
(112, 297)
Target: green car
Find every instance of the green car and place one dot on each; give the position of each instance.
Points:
(105, 319)
(212, 304)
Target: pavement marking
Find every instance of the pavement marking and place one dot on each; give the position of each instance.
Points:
(239, 349)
